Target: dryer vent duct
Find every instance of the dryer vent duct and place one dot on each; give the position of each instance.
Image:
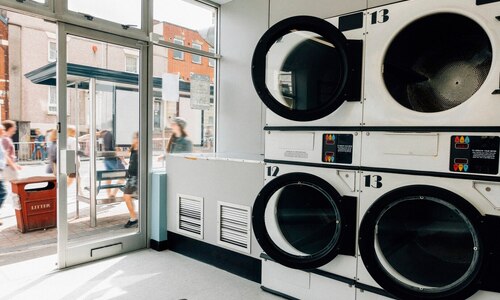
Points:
(437, 62)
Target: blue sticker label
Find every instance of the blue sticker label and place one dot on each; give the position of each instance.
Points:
(466, 167)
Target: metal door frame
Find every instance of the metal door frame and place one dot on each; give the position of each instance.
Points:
(76, 254)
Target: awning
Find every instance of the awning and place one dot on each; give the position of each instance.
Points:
(46, 75)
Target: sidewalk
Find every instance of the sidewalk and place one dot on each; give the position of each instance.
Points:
(16, 246)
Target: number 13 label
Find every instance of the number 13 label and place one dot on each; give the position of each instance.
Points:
(380, 16)
(373, 181)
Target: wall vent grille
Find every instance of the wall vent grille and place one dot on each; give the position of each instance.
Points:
(190, 215)
(233, 226)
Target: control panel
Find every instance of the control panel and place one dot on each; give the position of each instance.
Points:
(337, 148)
(474, 154)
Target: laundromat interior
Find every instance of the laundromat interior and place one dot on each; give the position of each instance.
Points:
(351, 152)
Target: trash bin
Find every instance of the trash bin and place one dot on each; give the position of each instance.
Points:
(37, 202)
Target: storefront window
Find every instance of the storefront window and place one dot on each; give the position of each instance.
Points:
(184, 86)
(192, 100)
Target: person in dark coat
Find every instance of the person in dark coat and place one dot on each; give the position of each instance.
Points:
(179, 142)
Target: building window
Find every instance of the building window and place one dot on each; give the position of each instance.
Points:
(211, 61)
(178, 54)
(131, 64)
(196, 59)
(52, 51)
(52, 103)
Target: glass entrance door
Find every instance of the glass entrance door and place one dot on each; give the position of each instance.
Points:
(101, 197)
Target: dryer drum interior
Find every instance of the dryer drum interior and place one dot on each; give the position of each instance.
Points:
(307, 75)
(437, 62)
(420, 245)
(298, 221)
(303, 68)
(307, 217)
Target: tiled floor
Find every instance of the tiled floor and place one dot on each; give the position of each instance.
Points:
(144, 274)
(16, 246)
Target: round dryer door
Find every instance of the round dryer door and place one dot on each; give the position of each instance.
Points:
(300, 68)
(298, 220)
(423, 242)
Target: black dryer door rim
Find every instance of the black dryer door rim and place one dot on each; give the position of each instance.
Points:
(309, 262)
(331, 34)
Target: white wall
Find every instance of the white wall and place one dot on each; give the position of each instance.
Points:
(240, 112)
(373, 3)
(281, 9)
(213, 180)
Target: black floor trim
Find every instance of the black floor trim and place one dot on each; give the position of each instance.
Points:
(158, 246)
(230, 261)
(280, 294)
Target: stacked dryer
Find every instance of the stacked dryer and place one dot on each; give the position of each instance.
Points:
(429, 202)
(308, 73)
(383, 128)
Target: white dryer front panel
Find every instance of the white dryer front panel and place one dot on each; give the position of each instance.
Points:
(423, 237)
(432, 64)
(305, 218)
(328, 148)
(463, 154)
(308, 71)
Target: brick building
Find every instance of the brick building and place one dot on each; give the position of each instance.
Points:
(185, 63)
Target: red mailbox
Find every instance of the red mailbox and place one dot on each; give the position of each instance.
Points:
(38, 202)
